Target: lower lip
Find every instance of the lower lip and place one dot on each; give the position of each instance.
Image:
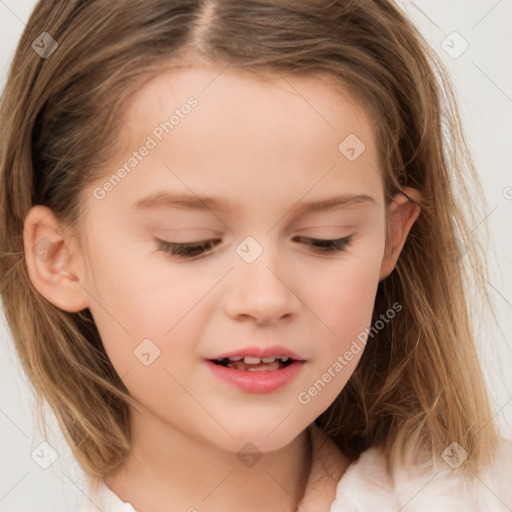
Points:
(257, 382)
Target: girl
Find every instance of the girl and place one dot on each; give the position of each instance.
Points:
(228, 258)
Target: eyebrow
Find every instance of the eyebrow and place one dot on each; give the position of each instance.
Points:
(193, 202)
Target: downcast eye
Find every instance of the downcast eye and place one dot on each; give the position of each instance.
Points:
(192, 249)
(189, 249)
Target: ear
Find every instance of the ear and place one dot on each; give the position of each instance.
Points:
(401, 216)
(51, 262)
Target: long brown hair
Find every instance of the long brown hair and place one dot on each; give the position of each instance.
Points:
(418, 384)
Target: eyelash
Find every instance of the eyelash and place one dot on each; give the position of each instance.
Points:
(193, 249)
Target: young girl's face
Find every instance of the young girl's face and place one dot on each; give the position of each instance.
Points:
(249, 159)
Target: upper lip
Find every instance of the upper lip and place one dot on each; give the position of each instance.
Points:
(255, 351)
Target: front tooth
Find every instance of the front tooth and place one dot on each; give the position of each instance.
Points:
(268, 359)
(252, 360)
(270, 367)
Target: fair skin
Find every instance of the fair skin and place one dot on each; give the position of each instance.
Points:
(263, 148)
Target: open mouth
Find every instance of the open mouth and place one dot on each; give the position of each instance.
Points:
(254, 364)
(253, 374)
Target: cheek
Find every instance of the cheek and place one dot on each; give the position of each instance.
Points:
(131, 301)
(345, 295)
(345, 300)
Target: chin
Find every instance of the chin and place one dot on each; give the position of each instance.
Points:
(264, 435)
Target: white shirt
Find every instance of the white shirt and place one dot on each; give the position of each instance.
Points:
(367, 486)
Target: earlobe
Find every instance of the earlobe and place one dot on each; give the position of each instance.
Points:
(51, 262)
(402, 215)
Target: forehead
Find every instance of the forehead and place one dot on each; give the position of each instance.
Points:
(254, 136)
(292, 107)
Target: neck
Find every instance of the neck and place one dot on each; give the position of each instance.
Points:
(167, 470)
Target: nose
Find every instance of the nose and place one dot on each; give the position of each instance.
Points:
(262, 291)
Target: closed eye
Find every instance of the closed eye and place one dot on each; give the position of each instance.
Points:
(193, 249)
(187, 250)
(328, 246)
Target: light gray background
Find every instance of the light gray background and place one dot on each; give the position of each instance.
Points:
(482, 76)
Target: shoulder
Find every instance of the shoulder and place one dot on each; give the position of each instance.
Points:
(100, 497)
(368, 485)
